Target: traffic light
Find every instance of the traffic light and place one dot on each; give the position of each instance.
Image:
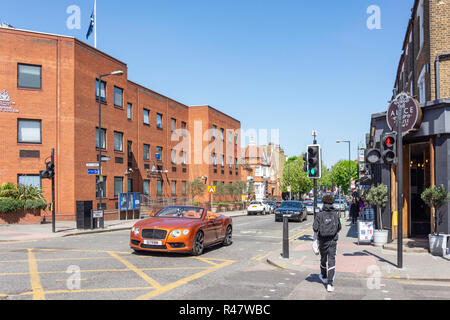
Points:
(49, 172)
(314, 157)
(389, 148)
(305, 162)
(372, 156)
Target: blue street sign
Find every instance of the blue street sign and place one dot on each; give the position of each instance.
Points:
(94, 171)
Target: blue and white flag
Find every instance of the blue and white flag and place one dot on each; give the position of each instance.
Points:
(91, 25)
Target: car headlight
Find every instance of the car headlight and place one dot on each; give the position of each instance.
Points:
(135, 231)
(185, 232)
(175, 233)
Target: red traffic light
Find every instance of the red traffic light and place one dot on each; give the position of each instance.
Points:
(389, 141)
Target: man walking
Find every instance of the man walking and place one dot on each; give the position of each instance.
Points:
(327, 225)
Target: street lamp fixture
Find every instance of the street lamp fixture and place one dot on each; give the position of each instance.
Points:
(100, 193)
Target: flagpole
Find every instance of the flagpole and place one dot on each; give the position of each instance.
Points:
(95, 24)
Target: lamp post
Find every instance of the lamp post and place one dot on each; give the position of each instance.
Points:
(349, 163)
(100, 180)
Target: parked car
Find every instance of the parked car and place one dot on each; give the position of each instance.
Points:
(309, 206)
(181, 229)
(294, 209)
(319, 204)
(339, 204)
(272, 205)
(279, 204)
(257, 207)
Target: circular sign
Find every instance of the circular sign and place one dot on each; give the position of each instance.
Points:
(412, 113)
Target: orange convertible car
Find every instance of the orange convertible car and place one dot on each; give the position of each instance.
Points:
(181, 229)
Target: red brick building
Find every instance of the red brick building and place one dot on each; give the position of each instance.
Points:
(49, 99)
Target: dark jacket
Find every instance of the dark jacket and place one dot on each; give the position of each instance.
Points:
(319, 218)
(354, 209)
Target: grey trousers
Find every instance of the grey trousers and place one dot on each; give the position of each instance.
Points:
(328, 254)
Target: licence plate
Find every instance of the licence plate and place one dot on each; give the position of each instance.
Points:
(254, 207)
(153, 242)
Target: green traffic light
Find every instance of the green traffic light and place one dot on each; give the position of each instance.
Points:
(313, 172)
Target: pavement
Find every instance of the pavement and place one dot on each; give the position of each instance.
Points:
(364, 260)
(24, 232)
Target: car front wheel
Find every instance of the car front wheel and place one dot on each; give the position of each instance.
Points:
(198, 245)
(228, 237)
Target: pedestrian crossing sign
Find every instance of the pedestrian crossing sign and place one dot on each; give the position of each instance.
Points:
(212, 189)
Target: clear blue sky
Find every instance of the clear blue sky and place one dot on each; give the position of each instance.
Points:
(292, 65)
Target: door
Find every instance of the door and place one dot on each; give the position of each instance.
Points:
(420, 179)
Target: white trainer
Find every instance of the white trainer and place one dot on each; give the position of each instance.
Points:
(330, 288)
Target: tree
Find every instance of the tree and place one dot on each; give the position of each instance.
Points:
(326, 180)
(339, 174)
(294, 176)
(239, 188)
(378, 196)
(196, 188)
(436, 197)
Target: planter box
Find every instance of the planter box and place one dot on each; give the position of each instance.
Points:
(22, 217)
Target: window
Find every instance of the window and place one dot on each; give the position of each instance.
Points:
(159, 187)
(173, 156)
(174, 188)
(130, 149)
(101, 187)
(214, 131)
(146, 117)
(221, 134)
(421, 84)
(130, 185)
(184, 188)
(230, 162)
(146, 187)
(159, 123)
(118, 186)
(33, 180)
(235, 139)
(214, 156)
(222, 161)
(173, 125)
(118, 141)
(230, 136)
(101, 92)
(29, 131)
(129, 108)
(421, 23)
(159, 151)
(146, 152)
(184, 128)
(102, 137)
(118, 97)
(184, 157)
(236, 162)
(29, 76)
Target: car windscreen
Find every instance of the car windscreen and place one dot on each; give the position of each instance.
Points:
(291, 205)
(255, 203)
(181, 212)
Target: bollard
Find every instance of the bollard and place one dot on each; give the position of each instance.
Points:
(285, 237)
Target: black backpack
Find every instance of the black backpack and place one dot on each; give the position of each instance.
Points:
(330, 224)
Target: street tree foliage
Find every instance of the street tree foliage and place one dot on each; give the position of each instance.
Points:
(326, 180)
(339, 174)
(436, 197)
(294, 176)
(196, 188)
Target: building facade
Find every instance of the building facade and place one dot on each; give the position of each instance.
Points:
(424, 73)
(49, 99)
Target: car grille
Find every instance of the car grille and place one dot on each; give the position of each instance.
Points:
(135, 242)
(154, 234)
(147, 246)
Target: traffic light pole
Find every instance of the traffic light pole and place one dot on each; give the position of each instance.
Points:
(53, 196)
(400, 185)
(315, 180)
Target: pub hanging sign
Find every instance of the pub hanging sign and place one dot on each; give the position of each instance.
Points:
(412, 113)
(5, 103)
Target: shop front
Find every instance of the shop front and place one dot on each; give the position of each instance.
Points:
(426, 162)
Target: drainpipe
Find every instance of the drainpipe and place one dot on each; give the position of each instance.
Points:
(438, 76)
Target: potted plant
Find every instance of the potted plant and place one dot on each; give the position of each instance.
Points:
(378, 196)
(436, 197)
